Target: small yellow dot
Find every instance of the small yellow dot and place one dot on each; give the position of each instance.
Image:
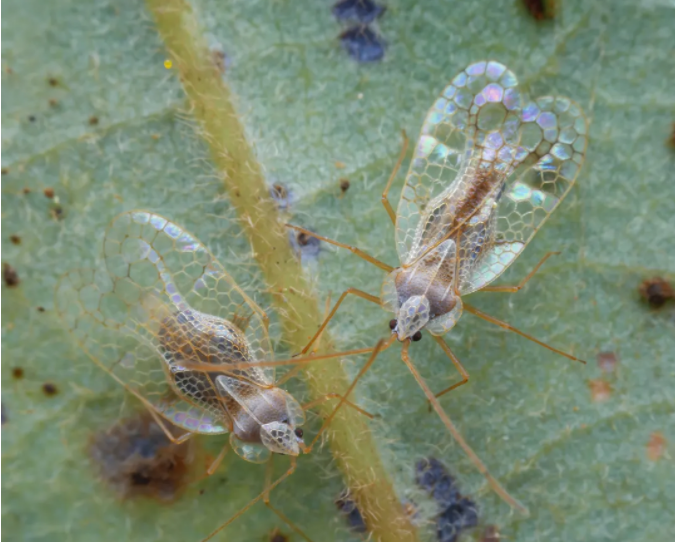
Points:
(168, 64)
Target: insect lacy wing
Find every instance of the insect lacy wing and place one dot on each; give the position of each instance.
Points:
(97, 315)
(474, 121)
(552, 147)
(149, 257)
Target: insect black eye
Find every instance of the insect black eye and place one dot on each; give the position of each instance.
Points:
(392, 324)
(299, 432)
(417, 336)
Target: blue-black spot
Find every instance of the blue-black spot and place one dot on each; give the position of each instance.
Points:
(351, 512)
(357, 11)
(456, 512)
(363, 44)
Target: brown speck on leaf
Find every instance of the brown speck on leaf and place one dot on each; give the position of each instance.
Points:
(303, 239)
(671, 139)
(15, 239)
(277, 536)
(607, 361)
(219, 58)
(155, 136)
(49, 389)
(26, 190)
(491, 534)
(344, 185)
(17, 373)
(656, 446)
(136, 459)
(340, 165)
(600, 390)
(31, 118)
(93, 120)
(541, 9)
(10, 276)
(40, 309)
(657, 292)
(53, 82)
(48, 192)
(5, 171)
(56, 211)
(53, 102)
(279, 191)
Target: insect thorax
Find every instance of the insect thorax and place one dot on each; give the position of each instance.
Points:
(433, 277)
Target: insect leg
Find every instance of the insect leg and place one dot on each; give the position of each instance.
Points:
(360, 253)
(262, 495)
(213, 467)
(330, 396)
(504, 325)
(162, 425)
(381, 345)
(456, 363)
(385, 194)
(279, 513)
(496, 486)
(210, 368)
(512, 289)
(348, 291)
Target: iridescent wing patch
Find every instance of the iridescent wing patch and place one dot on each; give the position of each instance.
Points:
(550, 155)
(489, 167)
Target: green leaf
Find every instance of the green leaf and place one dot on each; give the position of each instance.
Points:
(122, 135)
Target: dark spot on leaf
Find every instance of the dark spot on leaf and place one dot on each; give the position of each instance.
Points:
(201, 491)
(219, 59)
(607, 361)
(277, 536)
(49, 389)
(53, 102)
(31, 118)
(53, 82)
(363, 44)
(136, 459)
(357, 11)
(5, 171)
(282, 195)
(10, 276)
(456, 512)
(351, 513)
(40, 309)
(17, 373)
(305, 246)
(26, 190)
(657, 292)
(15, 239)
(541, 9)
(93, 120)
(344, 185)
(671, 139)
(56, 211)
(48, 192)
